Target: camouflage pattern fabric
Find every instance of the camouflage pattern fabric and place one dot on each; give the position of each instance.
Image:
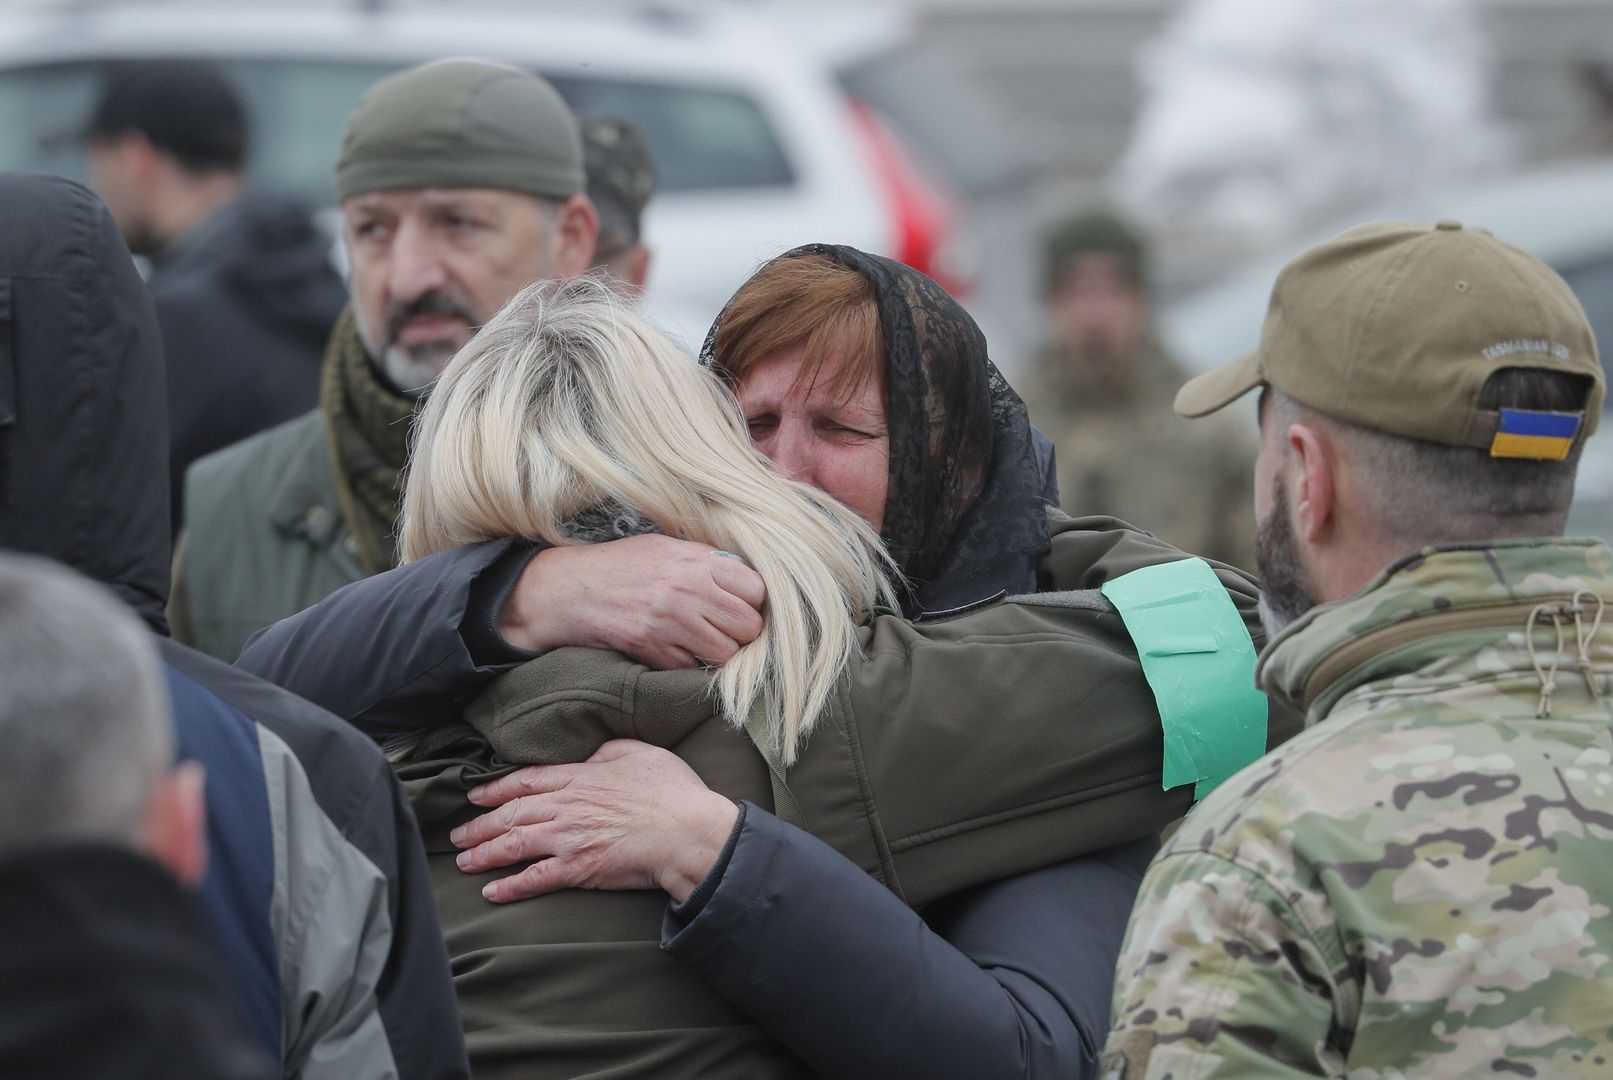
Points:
(1123, 451)
(1419, 884)
(621, 177)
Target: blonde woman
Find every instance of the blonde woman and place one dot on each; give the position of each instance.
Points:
(998, 771)
(568, 419)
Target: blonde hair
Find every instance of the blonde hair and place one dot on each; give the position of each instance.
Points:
(568, 403)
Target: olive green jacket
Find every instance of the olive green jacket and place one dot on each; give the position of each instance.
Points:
(955, 752)
(264, 537)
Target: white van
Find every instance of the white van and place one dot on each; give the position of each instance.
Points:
(757, 146)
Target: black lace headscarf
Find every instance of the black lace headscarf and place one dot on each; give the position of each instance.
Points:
(964, 514)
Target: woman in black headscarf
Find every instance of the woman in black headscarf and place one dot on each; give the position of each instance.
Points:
(862, 377)
(967, 479)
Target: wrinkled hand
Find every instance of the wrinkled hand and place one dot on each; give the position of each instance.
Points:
(633, 816)
(664, 602)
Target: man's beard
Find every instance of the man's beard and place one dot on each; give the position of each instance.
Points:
(411, 369)
(1108, 355)
(1285, 588)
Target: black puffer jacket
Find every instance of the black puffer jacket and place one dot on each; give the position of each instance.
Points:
(97, 941)
(316, 889)
(246, 301)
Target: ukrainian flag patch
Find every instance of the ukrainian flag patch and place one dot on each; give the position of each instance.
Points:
(1541, 436)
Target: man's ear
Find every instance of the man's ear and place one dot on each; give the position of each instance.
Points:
(176, 823)
(634, 266)
(576, 232)
(1311, 475)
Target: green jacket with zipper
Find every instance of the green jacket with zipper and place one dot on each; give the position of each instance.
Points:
(956, 752)
(272, 541)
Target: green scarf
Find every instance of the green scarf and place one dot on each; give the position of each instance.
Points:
(369, 425)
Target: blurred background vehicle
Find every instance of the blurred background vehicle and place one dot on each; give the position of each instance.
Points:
(757, 142)
(948, 133)
(1562, 214)
(1002, 115)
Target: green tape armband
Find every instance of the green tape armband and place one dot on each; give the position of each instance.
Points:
(1200, 664)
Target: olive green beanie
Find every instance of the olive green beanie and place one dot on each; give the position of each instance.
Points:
(461, 123)
(1093, 232)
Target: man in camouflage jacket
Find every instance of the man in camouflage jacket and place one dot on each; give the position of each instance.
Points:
(1420, 884)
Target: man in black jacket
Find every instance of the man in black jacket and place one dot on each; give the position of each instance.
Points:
(96, 931)
(316, 892)
(245, 290)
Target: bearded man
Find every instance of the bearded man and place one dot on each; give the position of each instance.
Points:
(460, 182)
(1417, 885)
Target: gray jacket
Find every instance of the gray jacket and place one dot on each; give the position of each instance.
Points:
(317, 889)
(316, 893)
(263, 537)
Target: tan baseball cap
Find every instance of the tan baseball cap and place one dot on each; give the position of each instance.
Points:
(1396, 327)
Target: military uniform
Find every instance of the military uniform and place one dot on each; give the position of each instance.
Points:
(1121, 451)
(1421, 885)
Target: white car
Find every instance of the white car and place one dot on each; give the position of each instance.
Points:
(1562, 214)
(757, 146)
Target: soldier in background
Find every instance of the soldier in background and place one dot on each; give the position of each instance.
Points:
(1419, 884)
(621, 179)
(1102, 390)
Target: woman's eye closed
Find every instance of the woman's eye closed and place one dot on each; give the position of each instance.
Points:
(842, 430)
(761, 425)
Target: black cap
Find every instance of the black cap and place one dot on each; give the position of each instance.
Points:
(186, 108)
(621, 178)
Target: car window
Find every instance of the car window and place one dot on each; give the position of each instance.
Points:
(700, 137)
(296, 110)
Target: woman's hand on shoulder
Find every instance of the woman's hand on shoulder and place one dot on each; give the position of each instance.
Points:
(633, 816)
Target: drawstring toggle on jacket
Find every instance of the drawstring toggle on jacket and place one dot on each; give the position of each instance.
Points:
(1558, 613)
